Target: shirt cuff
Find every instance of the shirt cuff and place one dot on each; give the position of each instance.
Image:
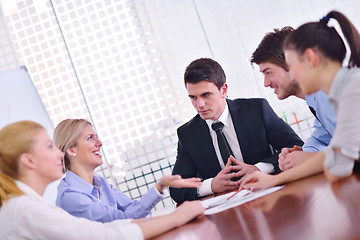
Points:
(205, 188)
(158, 193)
(339, 164)
(310, 149)
(265, 167)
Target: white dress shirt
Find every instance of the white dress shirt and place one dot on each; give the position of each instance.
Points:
(231, 137)
(344, 96)
(29, 216)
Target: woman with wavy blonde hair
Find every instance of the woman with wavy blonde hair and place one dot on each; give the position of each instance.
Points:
(83, 193)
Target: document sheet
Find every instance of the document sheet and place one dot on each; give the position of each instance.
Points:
(222, 203)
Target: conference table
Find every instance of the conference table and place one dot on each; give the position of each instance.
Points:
(310, 208)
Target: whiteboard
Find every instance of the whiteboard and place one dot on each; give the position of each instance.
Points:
(19, 100)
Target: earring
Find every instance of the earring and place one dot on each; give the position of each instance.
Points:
(74, 154)
(63, 163)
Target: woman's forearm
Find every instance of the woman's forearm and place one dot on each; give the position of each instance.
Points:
(161, 224)
(158, 225)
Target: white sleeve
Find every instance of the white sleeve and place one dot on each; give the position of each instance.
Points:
(265, 167)
(37, 220)
(205, 188)
(347, 133)
(339, 164)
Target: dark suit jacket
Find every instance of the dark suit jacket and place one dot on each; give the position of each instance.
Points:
(256, 125)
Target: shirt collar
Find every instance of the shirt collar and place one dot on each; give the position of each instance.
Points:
(28, 190)
(77, 183)
(224, 117)
(336, 89)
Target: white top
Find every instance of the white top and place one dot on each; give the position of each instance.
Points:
(344, 97)
(29, 216)
(231, 137)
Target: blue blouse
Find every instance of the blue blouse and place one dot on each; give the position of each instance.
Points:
(101, 202)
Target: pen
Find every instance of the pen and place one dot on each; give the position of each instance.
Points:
(236, 192)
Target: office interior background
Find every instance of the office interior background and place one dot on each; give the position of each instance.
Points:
(120, 64)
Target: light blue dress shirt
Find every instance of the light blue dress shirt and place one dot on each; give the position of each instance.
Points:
(102, 202)
(325, 126)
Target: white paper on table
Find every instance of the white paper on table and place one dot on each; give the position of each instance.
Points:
(240, 198)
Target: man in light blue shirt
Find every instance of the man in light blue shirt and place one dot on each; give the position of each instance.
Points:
(270, 57)
(324, 124)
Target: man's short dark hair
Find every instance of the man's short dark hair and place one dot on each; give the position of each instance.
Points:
(270, 48)
(205, 69)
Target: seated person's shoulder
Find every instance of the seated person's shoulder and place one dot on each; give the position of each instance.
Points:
(251, 102)
(71, 200)
(191, 123)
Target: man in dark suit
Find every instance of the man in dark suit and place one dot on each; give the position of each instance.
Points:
(253, 131)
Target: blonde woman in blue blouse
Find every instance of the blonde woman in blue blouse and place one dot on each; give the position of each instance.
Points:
(83, 193)
(28, 163)
(315, 53)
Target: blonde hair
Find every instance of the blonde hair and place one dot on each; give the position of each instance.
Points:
(15, 139)
(66, 135)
